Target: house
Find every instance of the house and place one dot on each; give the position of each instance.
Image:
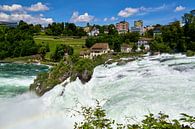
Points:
(125, 48)
(85, 54)
(99, 49)
(87, 29)
(94, 32)
(145, 42)
(122, 27)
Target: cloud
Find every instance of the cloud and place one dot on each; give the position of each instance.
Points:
(179, 8)
(15, 17)
(110, 19)
(37, 7)
(81, 18)
(113, 18)
(16, 12)
(127, 12)
(14, 7)
(105, 19)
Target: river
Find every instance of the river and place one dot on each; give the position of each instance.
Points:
(163, 83)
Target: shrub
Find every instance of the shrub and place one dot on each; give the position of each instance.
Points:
(95, 118)
(190, 53)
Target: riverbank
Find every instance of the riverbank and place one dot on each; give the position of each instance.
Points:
(28, 60)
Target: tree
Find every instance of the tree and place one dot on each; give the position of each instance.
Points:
(61, 51)
(37, 28)
(142, 47)
(94, 119)
(112, 30)
(132, 36)
(117, 46)
(134, 47)
(15, 42)
(189, 25)
(171, 35)
(42, 52)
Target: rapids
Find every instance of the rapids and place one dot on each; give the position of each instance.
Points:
(15, 78)
(151, 84)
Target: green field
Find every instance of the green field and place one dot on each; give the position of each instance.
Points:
(54, 40)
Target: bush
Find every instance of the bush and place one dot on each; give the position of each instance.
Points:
(95, 118)
(190, 53)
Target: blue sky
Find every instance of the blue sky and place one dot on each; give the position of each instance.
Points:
(94, 11)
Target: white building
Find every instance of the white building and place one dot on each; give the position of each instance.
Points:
(94, 32)
(85, 54)
(125, 48)
(99, 49)
(145, 42)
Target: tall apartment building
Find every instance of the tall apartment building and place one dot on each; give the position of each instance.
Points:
(138, 27)
(122, 27)
(138, 23)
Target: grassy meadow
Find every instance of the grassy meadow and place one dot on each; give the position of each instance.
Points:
(54, 40)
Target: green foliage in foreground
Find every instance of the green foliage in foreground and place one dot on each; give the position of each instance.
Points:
(95, 118)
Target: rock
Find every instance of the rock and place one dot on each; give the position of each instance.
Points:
(121, 62)
(85, 76)
(65, 76)
(109, 62)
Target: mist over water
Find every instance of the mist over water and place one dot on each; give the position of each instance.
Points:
(163, 83)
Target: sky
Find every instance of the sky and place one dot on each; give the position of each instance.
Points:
(100, 12)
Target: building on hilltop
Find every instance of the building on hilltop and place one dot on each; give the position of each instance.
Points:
(122, 27)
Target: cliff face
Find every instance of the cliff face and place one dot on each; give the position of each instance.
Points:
(83, 69)
(41, 87)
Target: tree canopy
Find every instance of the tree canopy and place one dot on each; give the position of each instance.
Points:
(15, 42)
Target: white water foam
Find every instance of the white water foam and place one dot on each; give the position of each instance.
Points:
(132, 90)
(22, 81)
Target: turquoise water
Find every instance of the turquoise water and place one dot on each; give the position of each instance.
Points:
(16, 78)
